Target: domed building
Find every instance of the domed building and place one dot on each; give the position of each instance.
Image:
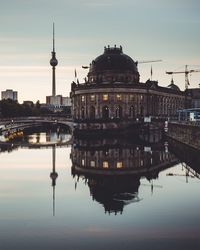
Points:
(112, 96)
(113, 66)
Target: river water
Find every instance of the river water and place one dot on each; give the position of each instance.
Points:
(104, 193)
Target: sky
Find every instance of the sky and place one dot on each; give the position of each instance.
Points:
(146, 29)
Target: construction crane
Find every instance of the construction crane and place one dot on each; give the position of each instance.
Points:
(149, 61)
(140, 62)
(186, 72)
(152, 61)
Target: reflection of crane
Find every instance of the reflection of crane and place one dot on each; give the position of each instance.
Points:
(152, 186)
(189, 172)
(186, 72)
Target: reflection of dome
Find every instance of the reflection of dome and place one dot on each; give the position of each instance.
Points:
(173, 86)
(113, 65)
(112, 168)
(114, 192)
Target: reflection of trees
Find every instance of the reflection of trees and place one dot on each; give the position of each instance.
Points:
(8, 147)
(112, 168)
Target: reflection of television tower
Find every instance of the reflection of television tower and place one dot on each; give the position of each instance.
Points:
(53, 63)
(54, 176)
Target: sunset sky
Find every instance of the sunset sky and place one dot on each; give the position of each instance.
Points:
(146, 29)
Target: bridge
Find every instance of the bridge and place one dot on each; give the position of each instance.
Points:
(16, 124)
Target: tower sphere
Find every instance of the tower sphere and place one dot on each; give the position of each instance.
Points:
(53, 61)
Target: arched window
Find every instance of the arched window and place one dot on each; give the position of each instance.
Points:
(92, 112)
(105, 112)
(82, 113)
(141, 110)
(132, 112)
(118, 112)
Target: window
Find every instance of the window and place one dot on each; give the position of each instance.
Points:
(105, 97)
(131, 97)
(92, 112)
(92, 98)
(119, 164)
(119, 97)
(118, 112)
(105, 164)
(83, 162)
(132, 112)
(92, 163)
(106, 152)
(105, 112)
(82, 113)
(82, 98)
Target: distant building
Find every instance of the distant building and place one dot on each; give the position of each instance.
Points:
(58, 101)
(195, 97)
(66, 101)
(54, 100)
(28, 103)
(9, 94)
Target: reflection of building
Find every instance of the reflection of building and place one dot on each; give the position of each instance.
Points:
(113, 168)
(113, 97)
(9, 94)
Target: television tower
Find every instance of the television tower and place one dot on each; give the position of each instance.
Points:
(53, 63)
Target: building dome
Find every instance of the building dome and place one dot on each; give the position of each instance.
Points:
(113, 66)
(173, 86)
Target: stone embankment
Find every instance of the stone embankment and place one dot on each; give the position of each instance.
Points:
(185, 132)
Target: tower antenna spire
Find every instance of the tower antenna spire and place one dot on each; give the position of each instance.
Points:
(53, 63)
(53, 37)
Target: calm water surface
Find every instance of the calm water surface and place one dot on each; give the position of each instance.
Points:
(104, 194)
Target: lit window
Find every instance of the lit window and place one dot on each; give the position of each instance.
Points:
(131, 97)
(119, 97)
(105, 164)
(141, 97)
(119, 164)
(105, 97)
(92, 98)
(83, 162)
(82, 98)
(92, 163)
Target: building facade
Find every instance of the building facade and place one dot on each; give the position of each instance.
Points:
(195, 97)
(9, 94)
(113, 95)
